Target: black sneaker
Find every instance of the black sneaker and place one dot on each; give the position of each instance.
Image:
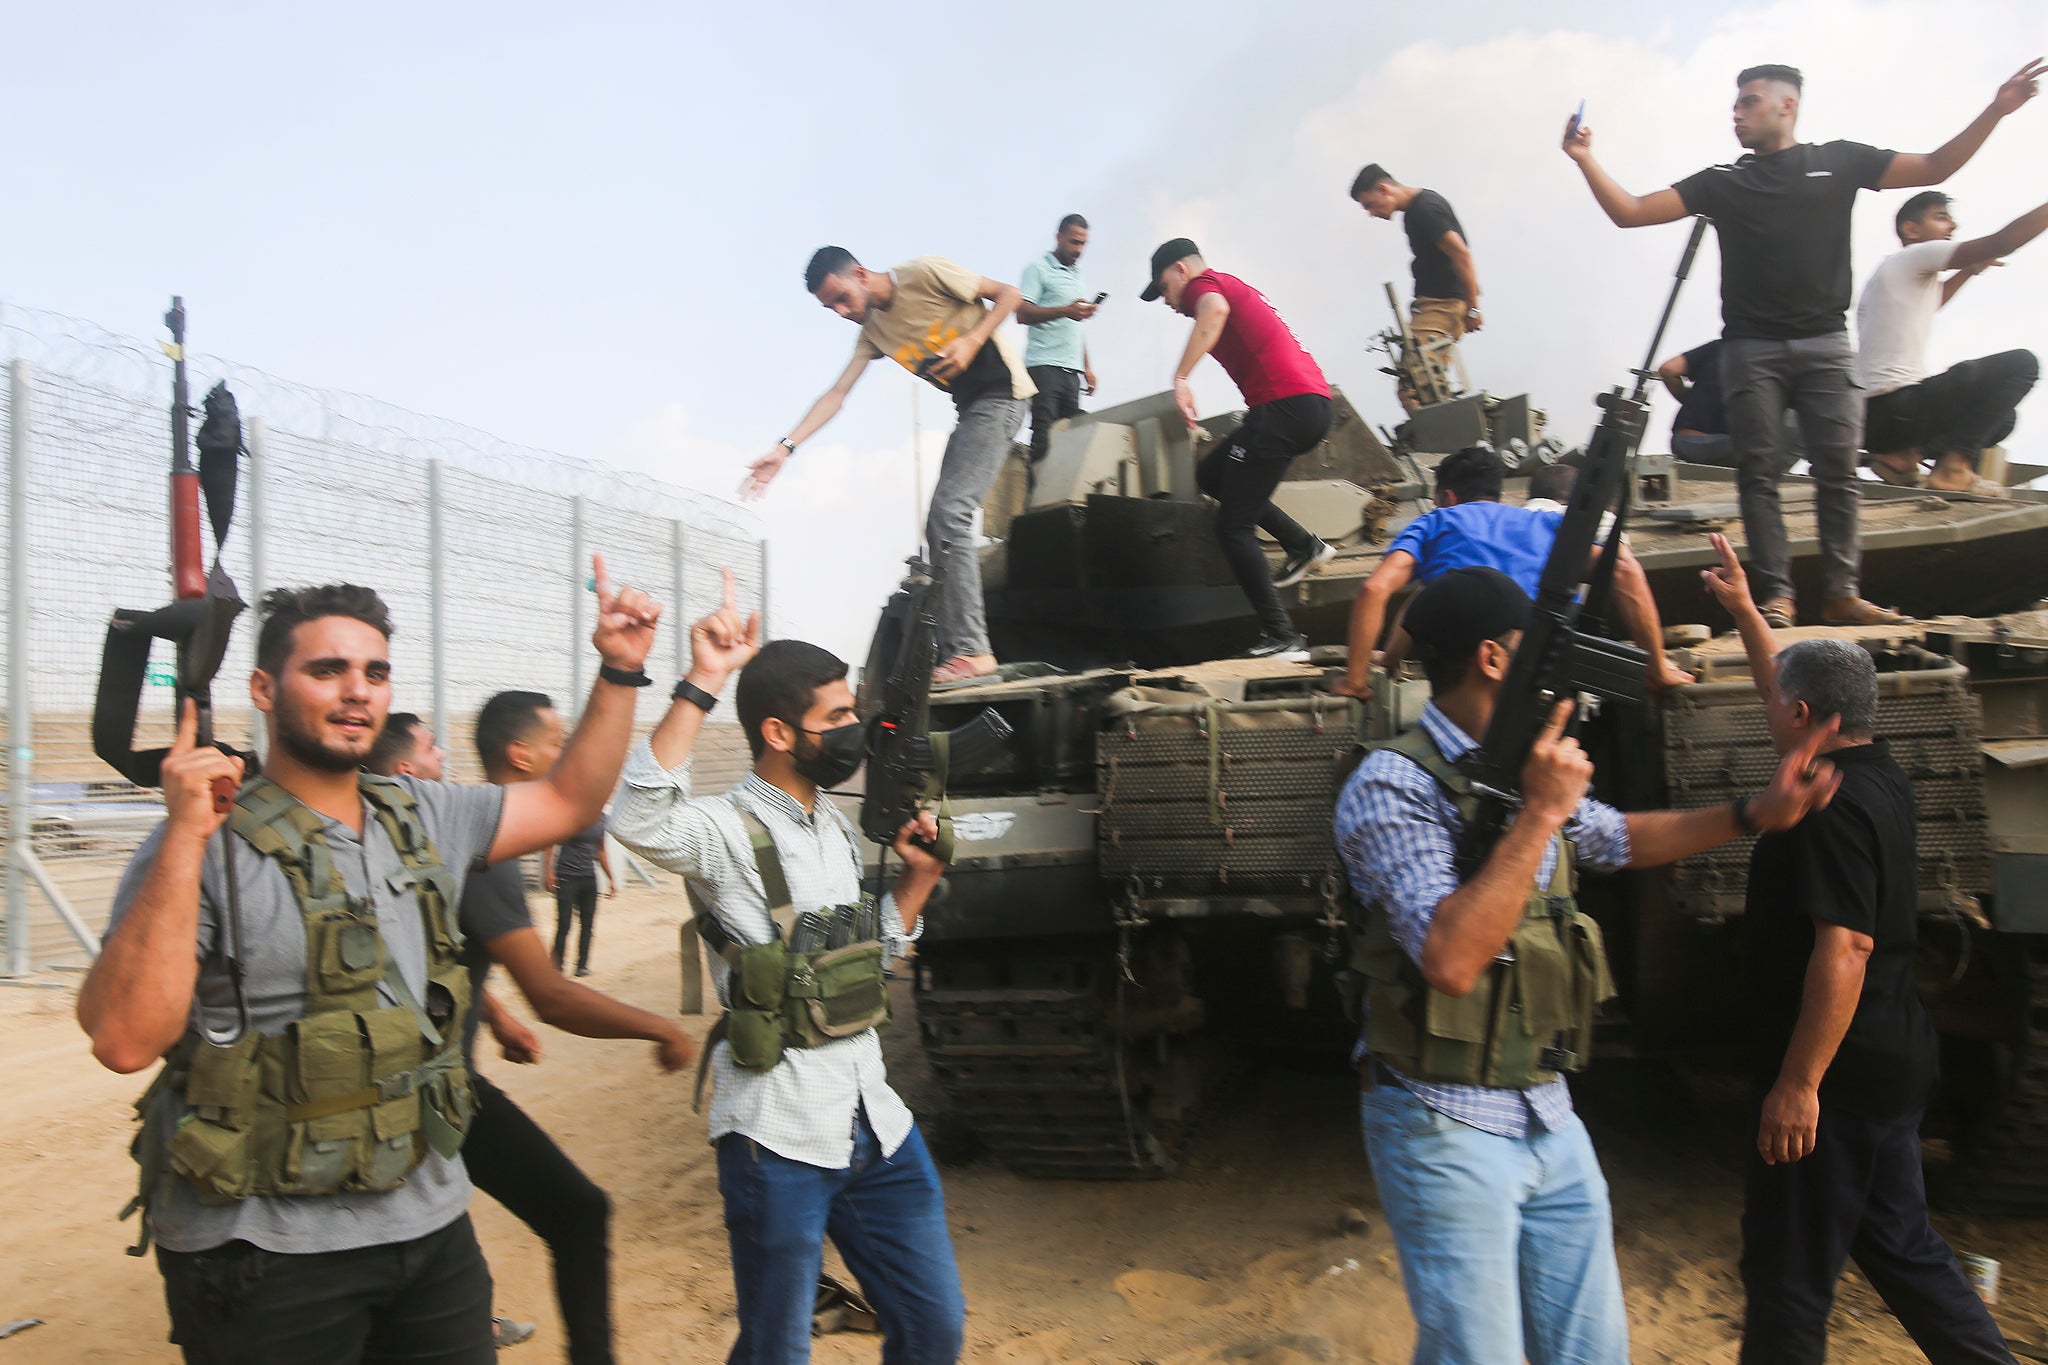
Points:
(1298, 567)
(1291, 648)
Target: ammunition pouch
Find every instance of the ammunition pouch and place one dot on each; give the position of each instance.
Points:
(352, 1095)
(1528, 1019)
(814, 984)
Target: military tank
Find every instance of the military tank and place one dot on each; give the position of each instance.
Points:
(1146, 877)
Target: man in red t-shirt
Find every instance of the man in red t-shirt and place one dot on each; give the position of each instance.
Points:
(1289, 413)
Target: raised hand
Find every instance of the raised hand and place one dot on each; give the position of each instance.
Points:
(1578, 143)
(762, 472)
(2020, 87)
(1805, 782)
(625, 621)
(722, 643)
(1557, 772)
(1728, 584)
(195, 777)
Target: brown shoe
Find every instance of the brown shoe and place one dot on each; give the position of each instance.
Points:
(1780, 613)
(1854, 611)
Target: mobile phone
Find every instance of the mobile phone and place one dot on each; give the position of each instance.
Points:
(1571, 130)
(1100, 297)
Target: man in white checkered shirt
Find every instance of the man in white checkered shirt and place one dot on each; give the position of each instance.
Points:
(1494, 1196)
(818, 1144)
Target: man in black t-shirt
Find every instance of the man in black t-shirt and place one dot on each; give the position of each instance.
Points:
(1782, 214)
(1446, 303)
(1844, 1051)
(509, 1156)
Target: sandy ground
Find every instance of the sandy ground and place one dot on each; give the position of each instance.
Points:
(1239, 1259)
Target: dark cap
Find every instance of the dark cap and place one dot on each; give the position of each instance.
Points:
(1179, 249)
(1454, 614)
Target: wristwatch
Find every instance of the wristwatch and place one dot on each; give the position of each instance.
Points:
(693, 694)
(622, 678)
(787, 445)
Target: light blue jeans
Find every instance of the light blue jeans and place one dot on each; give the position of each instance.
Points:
(1507, 1244)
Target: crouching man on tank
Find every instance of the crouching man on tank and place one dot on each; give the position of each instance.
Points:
(301, 1166)
(811, 1140)
(1480, 995)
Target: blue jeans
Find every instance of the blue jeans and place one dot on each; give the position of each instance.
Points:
(1507, 1244)
(886, 1215)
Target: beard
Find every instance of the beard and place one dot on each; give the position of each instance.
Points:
(306, 748)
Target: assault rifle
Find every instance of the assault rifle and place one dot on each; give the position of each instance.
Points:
(1556, 659)
(197, 622)
(907, 761)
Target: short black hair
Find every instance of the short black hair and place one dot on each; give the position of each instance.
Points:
(1553, 481)
(1367, 178)
(827, 260)
(1073, 220)
(1771, 71)
(284, 610)
(504, 720)
(396, 743)
(1912, 209)
(782, 682)
(1474, 474)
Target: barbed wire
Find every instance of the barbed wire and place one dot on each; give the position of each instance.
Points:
(81, 350)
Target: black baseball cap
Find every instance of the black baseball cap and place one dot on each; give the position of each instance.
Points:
(1180, 248)
(1463, 607)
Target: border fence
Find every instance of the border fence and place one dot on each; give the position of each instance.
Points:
(482, 549)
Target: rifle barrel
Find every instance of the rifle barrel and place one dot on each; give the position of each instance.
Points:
(1692, 248)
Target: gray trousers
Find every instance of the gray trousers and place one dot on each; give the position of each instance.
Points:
(1815, 377)
(974, 455)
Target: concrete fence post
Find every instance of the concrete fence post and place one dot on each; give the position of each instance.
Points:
(20, 711)
(437, 602)
(579, 569)
(259, 543)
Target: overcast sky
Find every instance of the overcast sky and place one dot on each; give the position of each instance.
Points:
(585, 230)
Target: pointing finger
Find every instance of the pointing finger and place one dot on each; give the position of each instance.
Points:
(1560, 714)
(731, 598)
(754, 629)
(188, 727)
(602, 582)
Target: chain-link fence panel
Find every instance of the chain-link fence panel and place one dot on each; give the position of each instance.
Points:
(341, 488)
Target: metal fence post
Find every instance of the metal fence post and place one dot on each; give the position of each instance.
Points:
(259, 542)
(681, 625)
(437, 609)
(577, 571)
(20, 713)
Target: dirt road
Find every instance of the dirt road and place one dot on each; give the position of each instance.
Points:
(1237, 1260)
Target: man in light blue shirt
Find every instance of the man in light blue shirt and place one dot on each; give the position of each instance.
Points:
(1055, 305)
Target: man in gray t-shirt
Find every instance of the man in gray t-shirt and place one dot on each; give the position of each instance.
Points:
(336, 1277)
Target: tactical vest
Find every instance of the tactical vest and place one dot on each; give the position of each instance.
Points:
(349, 1096)
(1529, 1017)
(822, 978)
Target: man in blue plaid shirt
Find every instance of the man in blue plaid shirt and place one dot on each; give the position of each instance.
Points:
(1495, 1198)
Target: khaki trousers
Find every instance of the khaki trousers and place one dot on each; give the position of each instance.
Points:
(1431, 320)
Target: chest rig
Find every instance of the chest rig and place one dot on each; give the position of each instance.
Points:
(822, 978)
(1530, 1016)
(350, 1096)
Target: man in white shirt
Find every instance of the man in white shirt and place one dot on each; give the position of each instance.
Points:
(1911, 416)
(811, 1140)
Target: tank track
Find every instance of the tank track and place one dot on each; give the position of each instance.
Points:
(1022, 1038)
(2001, 1165)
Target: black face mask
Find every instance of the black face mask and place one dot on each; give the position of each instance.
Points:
(834, 756)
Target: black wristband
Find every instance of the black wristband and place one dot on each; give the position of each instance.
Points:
(1742, 820)
(620, 677)
(693, 694)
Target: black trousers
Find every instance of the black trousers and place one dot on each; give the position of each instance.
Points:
(1059, 396)
(513, 1160)
(575, 899)
(1859, 1194)
(1963, 409)
(424, 1302)
(1241, 473)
